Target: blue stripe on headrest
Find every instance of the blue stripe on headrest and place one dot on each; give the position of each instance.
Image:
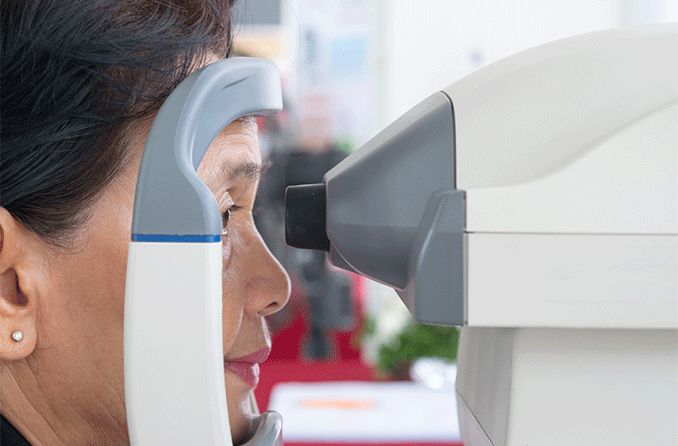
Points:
(176, 238)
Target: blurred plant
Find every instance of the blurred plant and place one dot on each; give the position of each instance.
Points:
(416, 341)
(344, 144)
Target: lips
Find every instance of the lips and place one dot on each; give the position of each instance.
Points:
(247, 367)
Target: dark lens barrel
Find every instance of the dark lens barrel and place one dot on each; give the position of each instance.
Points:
(305, 210)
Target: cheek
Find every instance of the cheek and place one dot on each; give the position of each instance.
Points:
(91, 279)
(237, 267)
(232, 293)
(231, 321)
(226, 253)
(87, 285)
(92, 286)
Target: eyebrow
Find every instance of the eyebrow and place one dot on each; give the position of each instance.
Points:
(247, 170)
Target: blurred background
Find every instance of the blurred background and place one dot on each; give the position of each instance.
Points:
(349, 365)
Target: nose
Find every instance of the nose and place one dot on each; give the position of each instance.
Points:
(267, 284)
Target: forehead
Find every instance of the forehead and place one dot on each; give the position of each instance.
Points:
(237, 144)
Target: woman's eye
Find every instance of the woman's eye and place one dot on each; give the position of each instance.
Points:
(226, 216)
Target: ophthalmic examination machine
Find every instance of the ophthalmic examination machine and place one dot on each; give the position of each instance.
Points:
(533, 203)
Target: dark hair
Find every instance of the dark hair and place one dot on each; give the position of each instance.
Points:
(73, 75)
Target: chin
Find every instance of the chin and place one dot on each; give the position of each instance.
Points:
(241, 413)
(241, 426)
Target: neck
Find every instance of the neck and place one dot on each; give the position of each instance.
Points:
(24, 407)
(37, 410)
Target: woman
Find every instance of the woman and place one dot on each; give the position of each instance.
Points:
(81, 82)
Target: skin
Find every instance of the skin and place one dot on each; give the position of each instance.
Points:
(63, 384)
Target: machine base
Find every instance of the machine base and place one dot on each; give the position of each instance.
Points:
(471, 430)
(529, 386)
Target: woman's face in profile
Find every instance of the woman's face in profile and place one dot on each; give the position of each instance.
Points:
(77, 339)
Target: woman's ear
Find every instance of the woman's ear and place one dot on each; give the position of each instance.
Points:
(18, 315)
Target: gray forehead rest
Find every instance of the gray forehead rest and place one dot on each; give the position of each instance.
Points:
(172, 203)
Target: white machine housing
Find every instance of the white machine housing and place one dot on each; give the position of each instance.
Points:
(568, 157)
(535, 204)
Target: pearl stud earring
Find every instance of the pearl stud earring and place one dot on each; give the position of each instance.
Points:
(17, 336)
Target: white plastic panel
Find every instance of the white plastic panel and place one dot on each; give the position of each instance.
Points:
(483, 384)
(471, 430)
(525, 115)
(579, 135)
(567, 387)
(174, 369)
(594, 387)
(556, 280)
(627, 183)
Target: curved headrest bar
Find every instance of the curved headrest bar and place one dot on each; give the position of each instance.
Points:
(172, 204)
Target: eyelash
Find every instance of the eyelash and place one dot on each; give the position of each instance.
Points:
(226, 215)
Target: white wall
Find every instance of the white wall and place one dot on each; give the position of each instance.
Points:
(424, 45)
